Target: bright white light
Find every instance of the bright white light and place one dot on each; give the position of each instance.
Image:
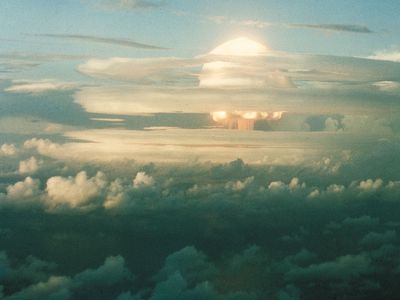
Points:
(219, 116)
(224, 117)
(249, 115)
(240, 47)
(221, 73)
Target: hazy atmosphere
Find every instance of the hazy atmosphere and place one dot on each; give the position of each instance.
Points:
(181, 149)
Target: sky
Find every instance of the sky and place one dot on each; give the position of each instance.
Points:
(161, 149)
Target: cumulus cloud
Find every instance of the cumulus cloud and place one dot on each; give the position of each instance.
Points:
(370, 185)
(45, 285)
(112, 271)
(56, 287)
(378, 239)
(331, 124)
(343, 268)
(23, 189)
(74, 191)
(43, 146)
(293, 186)
(269, 233)
(239, 185)
(29, 166)
(268, 207)
(189, 262)
(8, 150)
(187, 274)
(335, 188)
(339, 174)
(116, 195)
(142, 180)
(31, 269)
(361, 221)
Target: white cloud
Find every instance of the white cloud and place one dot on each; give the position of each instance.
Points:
(43, 146)
(223, 68)
(116, 195)
(277, 186)
(29, 166)
(8, 150)
(39, 86)
(386, 55)
(126, 100)
(331, 124)
(142, 180)
(335, 188)
(295, 184)
(23, 189)
(387, 86)
(143, 70)
(171, 145)
(74, 191)
(239, 185)
(370, 184)
(314, 194)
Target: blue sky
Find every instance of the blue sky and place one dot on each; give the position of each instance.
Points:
(193, 33)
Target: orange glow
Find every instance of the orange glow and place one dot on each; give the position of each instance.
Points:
(244, 120)
(219, 116)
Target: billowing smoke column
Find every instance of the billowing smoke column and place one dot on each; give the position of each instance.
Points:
(244, 120)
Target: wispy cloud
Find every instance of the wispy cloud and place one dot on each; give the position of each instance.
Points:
(18, 61)
(335, 27)
(351, 28)
(125, 4)
(386, 55)
(247, 23)
(14, 66)
(101, 40)
(39, 86)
